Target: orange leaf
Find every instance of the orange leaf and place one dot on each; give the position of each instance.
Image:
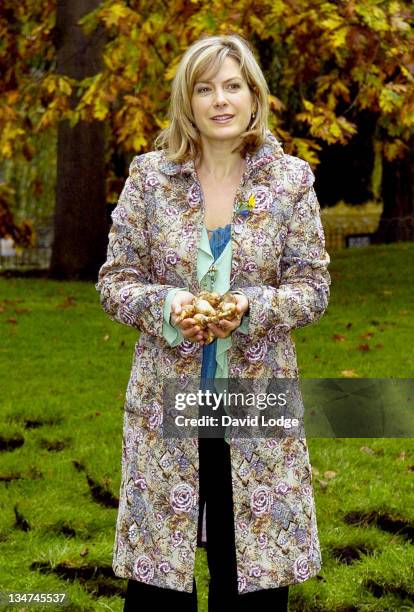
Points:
(348, 373)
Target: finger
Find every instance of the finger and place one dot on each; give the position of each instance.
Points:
(197, 338)
(216, 330)
(225, 324)
(191, 333)
(228, 326)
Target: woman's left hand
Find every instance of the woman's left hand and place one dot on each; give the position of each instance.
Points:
(225, 327)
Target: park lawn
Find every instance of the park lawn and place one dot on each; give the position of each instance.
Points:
(65, 366)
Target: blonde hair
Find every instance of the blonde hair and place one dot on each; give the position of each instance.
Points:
(181, 139)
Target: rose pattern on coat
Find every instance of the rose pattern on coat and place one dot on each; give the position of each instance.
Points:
(182, 498)
(155, 416)
(256, 571)
(152, 180)
(188, 348)
(282, 487)
(262, 500)
(263, 199)
(140, 483)
(256, 352)
(171, 211)
(194, 196)
(144, 568)
(301, 568)
(280, 263)
(164, 567)
(177, 538)
(171, 257)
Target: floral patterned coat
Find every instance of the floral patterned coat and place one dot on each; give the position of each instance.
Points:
(279, 261)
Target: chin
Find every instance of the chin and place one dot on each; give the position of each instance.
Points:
(224, 133)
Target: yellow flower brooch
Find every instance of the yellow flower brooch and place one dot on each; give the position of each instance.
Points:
(244, 207)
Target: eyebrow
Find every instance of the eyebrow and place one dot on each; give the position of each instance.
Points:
(230, 79)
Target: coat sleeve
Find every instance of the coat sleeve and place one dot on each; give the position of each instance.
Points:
(127, 291)
(303, 292)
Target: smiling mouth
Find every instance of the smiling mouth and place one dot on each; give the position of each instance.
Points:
(222, 119)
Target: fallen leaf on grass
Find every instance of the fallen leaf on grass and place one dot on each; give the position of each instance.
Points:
(348, 373)
(348, 325)
(402, 455)
(379, 345)
(367, 335)
(329, 474)
(12, 320)
(368, 450)
(403, 311)
(69, 301)
(363, 347)
(323, 483)
(338, 338)
(84, 552)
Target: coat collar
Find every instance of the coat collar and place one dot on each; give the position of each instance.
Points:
(269, 151)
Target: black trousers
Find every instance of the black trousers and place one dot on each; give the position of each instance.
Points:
(216, 493)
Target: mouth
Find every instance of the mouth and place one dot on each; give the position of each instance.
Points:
(222, 118)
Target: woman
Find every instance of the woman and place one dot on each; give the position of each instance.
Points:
(219, 206)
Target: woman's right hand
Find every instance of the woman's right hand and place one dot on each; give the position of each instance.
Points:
(188, 327)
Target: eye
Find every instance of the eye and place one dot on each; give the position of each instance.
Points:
(202, 89)
(234, 85)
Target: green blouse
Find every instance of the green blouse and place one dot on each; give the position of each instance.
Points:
(221, 285)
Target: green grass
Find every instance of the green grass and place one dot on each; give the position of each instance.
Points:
(64, 363)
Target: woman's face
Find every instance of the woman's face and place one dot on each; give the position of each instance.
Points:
(222, 105)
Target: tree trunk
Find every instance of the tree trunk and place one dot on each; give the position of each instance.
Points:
(345, 171)
(397, 219)
(81, 225)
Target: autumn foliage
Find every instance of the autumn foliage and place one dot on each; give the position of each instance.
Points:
(325, 62)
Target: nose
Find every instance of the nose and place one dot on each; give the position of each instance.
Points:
(219, 98)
